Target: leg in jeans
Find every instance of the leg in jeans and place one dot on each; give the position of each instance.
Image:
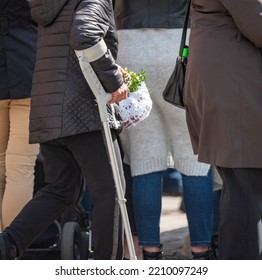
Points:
(20, 161)
(147, 201)
(130, 210)
(240, 231)
(198, 199)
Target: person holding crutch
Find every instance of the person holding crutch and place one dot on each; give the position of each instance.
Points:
(65, 120)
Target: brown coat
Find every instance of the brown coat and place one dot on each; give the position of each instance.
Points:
(223, 92)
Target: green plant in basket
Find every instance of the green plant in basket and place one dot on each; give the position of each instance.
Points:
(134, 79)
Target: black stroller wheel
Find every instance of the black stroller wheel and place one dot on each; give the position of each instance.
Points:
(85, 250)
(71, 241)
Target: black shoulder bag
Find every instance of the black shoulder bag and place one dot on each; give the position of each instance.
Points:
(173, 92)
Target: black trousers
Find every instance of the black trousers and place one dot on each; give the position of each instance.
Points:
(240, 232)
(66, 161)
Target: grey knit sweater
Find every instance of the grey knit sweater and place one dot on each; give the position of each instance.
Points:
(162, 140)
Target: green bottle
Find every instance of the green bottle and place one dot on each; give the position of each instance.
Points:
(185, 51)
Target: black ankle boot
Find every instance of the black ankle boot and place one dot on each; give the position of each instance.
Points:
(8, 249)
(153, 255)
(206, 255)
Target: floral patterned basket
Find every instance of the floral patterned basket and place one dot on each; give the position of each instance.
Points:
(138, 105)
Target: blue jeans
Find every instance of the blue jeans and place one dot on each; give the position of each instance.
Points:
(172, 182)
(201, 205)
(147, 204)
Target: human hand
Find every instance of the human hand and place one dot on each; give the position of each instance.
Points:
(120, 94)
(121, 70)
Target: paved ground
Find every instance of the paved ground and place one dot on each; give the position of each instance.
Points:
(174, 229)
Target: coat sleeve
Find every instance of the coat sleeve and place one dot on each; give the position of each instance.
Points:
(91, 23)
(247, 15)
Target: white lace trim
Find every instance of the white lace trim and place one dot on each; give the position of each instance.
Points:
(136, 107)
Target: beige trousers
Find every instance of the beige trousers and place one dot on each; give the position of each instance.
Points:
(17, 159)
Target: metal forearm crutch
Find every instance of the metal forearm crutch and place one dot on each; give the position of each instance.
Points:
(102, 98)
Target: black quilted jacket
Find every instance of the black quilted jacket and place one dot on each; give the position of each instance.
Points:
(62, 102)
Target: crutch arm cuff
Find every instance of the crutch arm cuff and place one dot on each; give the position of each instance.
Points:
(93, 53)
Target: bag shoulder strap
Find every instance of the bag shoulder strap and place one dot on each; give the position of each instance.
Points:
(183, 38)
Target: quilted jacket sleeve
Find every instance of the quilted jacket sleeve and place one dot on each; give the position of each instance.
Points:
(90, 23)
(247, 15)
(93, 21)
